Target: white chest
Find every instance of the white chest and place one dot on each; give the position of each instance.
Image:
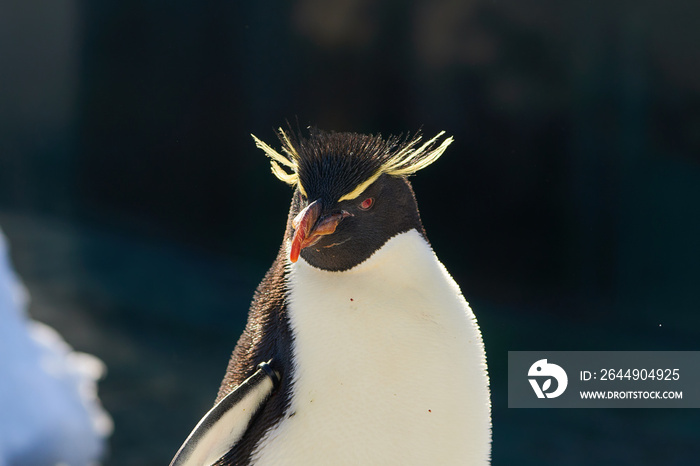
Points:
(389, 366)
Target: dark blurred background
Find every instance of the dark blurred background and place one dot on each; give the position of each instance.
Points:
(141, 216)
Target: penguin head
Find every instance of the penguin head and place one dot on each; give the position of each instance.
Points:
(351, 192)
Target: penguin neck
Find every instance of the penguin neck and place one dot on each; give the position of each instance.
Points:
(389, 354)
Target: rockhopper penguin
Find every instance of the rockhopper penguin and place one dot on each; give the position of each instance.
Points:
(360, 348)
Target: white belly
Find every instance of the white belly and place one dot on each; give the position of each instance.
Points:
(389, 366)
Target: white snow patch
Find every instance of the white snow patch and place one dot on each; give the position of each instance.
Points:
(49, 409)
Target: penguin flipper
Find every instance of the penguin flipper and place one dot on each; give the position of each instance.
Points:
(224, 425)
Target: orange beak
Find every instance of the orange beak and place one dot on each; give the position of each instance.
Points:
(309, 228)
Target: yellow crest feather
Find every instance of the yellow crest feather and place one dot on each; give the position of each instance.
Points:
(408, 160)
(277, 159)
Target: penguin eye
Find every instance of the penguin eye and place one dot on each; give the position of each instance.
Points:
(367, 203)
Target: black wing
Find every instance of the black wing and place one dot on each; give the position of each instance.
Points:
(226, 423)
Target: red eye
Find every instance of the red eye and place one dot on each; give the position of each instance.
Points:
(367, 203)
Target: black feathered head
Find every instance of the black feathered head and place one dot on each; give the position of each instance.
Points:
(331, 170)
